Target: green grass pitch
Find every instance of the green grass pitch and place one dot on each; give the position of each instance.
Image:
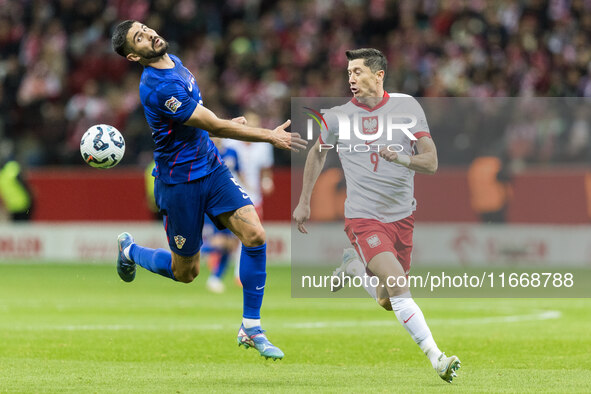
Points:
(78, 328)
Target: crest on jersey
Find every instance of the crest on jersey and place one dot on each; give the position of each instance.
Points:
(369, 124)
(374, 241)
(179, 240)
(172, 104)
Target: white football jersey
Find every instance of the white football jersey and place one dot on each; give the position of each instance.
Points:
(253, 158)
(376, 188)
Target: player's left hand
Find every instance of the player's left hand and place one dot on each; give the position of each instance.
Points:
(240, 120)
(285, 140)
(388, 156)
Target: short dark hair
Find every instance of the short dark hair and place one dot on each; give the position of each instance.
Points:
(372, 58)
(119, 38)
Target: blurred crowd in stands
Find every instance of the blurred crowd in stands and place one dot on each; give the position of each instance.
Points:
(59, 75)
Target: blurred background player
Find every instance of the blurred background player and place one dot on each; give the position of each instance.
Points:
(220, 245)
(149, 189)
(15, 193)
(256, 165)
(256, 168)
(489, 183)
(380, 205)
(192, 180)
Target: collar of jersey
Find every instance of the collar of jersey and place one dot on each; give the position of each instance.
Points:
(385, 99)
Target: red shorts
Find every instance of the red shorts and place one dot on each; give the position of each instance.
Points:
(371, 237)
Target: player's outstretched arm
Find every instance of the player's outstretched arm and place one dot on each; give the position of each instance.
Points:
(205, 119)
(425, 162)
(314, 164)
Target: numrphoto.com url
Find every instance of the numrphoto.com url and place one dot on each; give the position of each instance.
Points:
(442, 280)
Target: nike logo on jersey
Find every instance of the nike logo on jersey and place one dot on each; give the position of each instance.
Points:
(190, 87)
(260, 288)
(406, 321)
(370, 142)
(245, 196)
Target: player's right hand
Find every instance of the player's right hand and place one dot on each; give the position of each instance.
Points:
(301, 215)
(285, 140)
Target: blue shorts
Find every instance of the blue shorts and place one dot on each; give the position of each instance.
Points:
(184, 206)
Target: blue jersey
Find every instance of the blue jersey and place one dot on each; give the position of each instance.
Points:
(182, 153)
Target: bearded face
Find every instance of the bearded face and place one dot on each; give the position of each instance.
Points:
(159, 48)
(145, 42)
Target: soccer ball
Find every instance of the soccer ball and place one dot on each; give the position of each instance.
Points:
(102, 146)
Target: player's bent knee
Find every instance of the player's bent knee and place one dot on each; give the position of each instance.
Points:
(185, 269)
(385, 303)
(255, 237)
(187, 276)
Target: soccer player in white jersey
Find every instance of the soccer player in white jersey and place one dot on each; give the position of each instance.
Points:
(380, 203)
(256, 164)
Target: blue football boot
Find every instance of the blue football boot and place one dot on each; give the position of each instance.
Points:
(125, 267)
(255, 337)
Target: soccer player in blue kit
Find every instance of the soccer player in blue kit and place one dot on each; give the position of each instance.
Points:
(191, 180)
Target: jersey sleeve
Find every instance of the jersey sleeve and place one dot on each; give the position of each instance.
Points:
(421, 129)
(329, 130)
(172, 101)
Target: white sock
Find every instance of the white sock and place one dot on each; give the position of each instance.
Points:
(250, 323)
(411, 317)
(429, 347)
